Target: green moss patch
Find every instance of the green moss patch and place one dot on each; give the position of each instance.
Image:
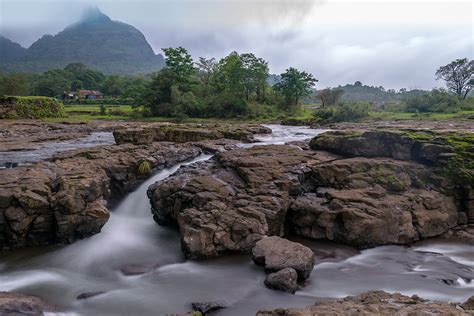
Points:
(31, 107)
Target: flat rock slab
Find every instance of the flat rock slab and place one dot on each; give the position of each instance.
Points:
(373, 303)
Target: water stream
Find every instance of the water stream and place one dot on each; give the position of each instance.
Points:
(434, 269)
(13, 158)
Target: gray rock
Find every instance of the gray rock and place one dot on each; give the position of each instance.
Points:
(283, 280)
(275, 253)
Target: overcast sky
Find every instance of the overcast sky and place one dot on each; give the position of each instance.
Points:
(391, 43)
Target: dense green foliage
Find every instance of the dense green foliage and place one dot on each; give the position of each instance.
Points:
(32, 107)
(295, 84)
(458, 76)
(437, 100)
(235, 86)
(102, 44)
(358, 92)
(73, 77)
(343, 112)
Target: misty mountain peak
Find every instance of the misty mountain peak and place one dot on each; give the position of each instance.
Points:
(94, 15)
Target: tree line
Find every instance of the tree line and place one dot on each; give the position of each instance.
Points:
(230, 87)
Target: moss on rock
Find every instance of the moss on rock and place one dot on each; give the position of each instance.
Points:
(30, 107)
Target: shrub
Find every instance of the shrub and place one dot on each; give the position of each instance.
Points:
(343, 112)
(144, 167)
(31, 107)
(438, 100)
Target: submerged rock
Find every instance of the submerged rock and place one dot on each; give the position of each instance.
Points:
(373, 303)
(137, 269)
(284, 280)
(207, 307)
(21, 304)
(87, 295)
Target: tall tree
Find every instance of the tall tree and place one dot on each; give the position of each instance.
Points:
(329, 96)
(206, 68)
(295, 84)
(458, 75)
(180, 63)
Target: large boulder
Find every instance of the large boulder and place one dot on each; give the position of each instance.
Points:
(421, 146)
(367, 202)
(275, 254)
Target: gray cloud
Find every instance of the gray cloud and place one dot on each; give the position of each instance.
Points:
(338, 46)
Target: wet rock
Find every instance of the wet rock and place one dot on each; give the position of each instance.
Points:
(86, 295)
(207, 308)
(296, 122)
(283, 280)
(61, 200)
(275, 254)
(188, 133)
(367, 202)
(420, 146)
(372, 303)
(469, 304)
(137, 269)
(231, 202)
(21, 304)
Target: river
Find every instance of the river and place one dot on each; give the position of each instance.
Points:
(432, 269)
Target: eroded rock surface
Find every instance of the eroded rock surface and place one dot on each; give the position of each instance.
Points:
(63, 199)
(231, 202)
(188, 133)
(374, 303)
(21, 304)
(372, 190)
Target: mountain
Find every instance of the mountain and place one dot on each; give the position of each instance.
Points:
(109, 46)
(10, 51)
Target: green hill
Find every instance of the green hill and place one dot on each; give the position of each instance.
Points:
(10, 51)
(109, 46)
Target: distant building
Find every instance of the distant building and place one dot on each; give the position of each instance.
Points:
(90, 94)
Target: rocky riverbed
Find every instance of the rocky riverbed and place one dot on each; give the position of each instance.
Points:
(359, 188)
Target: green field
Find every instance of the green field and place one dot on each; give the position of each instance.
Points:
(126, 112)
(421, 116)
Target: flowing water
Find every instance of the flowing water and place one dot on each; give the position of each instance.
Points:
(9, 159)
(434, 269)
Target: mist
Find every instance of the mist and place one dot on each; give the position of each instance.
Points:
(394, 44)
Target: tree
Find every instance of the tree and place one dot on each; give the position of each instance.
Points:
(206, 68)
(295, 84)
(256, 74)
(14, 84)
(180, 63)
(52, 83)
(113, 85)
(329, 96)
(458, 76)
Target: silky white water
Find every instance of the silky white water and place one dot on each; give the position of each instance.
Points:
(436, 270)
